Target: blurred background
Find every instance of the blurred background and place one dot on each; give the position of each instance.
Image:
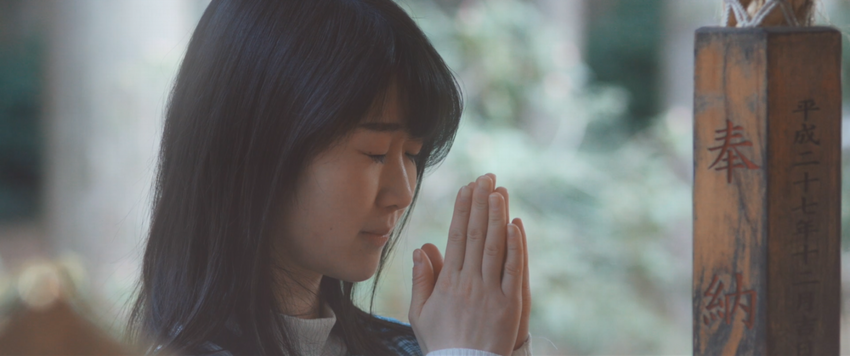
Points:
(582, 108)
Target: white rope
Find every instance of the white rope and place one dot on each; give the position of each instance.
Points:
(788, 12)
(743, 17)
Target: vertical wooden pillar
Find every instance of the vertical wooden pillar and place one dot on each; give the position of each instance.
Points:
(767, 191)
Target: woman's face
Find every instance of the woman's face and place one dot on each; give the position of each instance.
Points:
(344, 194)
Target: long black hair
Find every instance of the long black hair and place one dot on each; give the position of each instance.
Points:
(264, 87)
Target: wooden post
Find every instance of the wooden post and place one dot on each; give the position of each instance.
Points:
(767, 191)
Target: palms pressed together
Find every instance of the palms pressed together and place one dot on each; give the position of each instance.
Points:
(482, 285)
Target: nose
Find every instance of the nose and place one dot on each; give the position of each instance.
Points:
(398, 182)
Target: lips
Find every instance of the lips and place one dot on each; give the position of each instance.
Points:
(383, 231)
(378, 239)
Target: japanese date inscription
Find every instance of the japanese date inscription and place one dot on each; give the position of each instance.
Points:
(805, 221)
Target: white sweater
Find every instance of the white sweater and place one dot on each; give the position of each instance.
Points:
(315, 338)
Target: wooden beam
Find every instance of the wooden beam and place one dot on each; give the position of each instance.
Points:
(767, 191)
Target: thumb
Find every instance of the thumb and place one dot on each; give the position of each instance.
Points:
(423, 283)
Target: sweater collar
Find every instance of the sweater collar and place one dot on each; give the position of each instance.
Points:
(312, 334)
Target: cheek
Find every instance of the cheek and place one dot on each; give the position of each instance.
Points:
(332, 208)
(352, 185)
(334, 203)
(325, 212)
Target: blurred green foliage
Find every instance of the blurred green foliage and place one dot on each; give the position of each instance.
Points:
(609, 231)
(839, 17)
(623, 47)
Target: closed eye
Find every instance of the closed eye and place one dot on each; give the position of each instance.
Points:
(381, 158)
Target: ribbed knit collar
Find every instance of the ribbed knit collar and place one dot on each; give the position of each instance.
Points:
(314, 335)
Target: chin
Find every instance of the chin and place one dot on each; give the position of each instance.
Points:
(358, 273)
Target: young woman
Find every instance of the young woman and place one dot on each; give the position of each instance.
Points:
(295, 142)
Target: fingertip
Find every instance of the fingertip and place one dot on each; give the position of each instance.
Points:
(520, 227)
(417, 257)
(470, 188)
(486, 182)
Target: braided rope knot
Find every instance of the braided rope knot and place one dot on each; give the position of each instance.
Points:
(743, 18)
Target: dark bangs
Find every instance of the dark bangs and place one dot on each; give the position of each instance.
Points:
(431, 96)
(378, 47)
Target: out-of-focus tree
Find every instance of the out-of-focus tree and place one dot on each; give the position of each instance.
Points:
(20, 102)
(623, 47)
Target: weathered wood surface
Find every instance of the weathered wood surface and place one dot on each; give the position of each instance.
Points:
(767, 124)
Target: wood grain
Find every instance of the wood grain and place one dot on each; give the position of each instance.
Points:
(767, 123)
